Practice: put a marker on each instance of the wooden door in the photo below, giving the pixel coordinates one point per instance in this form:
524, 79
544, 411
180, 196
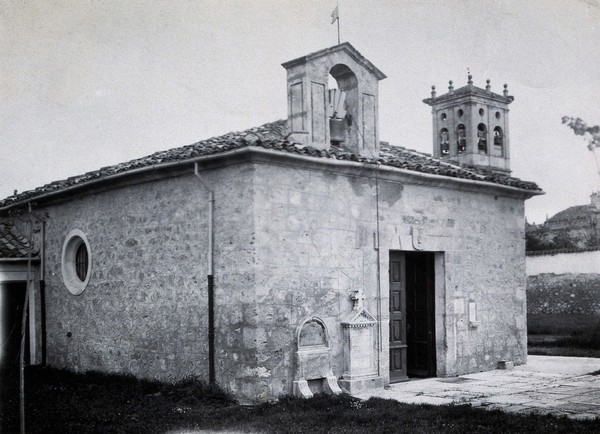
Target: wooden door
398, 370
420, 314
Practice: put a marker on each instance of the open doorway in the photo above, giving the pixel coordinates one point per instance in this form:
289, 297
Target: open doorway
412, 315
12, 298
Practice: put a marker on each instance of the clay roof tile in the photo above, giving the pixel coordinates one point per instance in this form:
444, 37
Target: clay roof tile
274, 136
12, 243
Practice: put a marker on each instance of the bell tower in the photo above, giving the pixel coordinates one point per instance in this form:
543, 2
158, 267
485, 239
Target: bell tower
470, 126
344, 114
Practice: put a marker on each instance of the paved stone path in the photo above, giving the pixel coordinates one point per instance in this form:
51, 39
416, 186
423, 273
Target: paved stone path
546, 385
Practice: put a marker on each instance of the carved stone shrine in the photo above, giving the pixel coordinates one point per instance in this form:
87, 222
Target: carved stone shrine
313, 357
360, 349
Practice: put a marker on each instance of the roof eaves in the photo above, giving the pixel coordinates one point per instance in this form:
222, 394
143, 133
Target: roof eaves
272, 136
466, 91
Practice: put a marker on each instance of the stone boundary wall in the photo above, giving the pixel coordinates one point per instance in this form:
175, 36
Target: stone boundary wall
563, 293
564, 263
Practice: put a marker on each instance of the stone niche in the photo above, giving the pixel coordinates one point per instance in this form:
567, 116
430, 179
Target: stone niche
360, 352
313, 356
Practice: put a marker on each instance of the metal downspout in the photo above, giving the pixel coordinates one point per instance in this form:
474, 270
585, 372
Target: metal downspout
28, 289
43, 291
210, 280
379, 313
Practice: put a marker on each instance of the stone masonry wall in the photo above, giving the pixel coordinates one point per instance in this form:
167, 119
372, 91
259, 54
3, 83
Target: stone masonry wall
314, 237
144, 311
290, 242
564, 293
482, 237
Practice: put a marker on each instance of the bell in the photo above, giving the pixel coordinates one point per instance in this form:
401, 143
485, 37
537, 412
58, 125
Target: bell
337, 130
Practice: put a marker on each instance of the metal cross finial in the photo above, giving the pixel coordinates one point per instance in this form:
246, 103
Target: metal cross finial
358, 297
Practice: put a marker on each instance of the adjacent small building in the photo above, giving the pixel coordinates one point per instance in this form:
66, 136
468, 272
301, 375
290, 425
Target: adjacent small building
19, 265
577, 217
299, 256
573, 229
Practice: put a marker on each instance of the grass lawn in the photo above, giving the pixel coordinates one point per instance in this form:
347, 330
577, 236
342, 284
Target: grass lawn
564, 335
63, 402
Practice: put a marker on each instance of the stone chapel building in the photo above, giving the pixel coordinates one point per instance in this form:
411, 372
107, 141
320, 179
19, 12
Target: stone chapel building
298, 256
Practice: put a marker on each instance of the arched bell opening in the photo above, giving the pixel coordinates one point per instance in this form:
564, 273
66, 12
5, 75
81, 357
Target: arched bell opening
461, 139
444, 142
342, 105
498, 149
482, 138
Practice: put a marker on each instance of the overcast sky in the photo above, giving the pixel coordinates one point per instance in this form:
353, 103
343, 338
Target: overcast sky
85, 84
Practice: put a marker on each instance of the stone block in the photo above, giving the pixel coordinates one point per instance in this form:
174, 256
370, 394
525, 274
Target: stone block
505, 365
361, 385
301, 389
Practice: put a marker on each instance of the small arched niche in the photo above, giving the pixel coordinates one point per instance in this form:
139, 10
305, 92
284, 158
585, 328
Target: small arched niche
313, 359
312, 332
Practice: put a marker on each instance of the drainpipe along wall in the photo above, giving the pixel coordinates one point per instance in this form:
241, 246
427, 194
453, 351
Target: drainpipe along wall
26, 308
379, 332
210, 280
43, 290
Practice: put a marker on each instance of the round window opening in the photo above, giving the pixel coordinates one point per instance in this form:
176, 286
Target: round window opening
76, 262
497, 115
481, 112
444, 116
460, 113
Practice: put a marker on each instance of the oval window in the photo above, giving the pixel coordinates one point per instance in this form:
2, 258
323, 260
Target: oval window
76, 261
81, 262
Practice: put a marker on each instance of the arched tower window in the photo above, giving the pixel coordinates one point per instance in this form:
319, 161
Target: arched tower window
461, 138
342, 102
498, 142
481, 138
444, 142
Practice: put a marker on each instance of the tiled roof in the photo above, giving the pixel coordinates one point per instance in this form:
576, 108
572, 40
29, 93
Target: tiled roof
273, 136
12, 243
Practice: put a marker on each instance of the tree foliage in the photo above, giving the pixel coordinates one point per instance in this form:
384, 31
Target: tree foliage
539, 237
580, 128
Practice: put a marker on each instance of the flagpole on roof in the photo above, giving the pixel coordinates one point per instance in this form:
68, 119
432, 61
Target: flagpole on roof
338, 20
335, 16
